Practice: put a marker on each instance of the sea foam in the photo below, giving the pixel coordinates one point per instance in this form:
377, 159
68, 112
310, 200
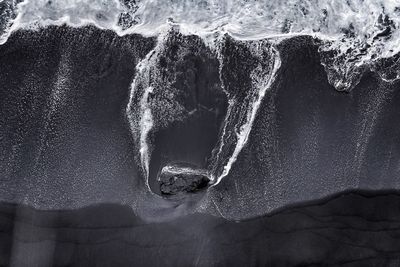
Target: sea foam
359, 32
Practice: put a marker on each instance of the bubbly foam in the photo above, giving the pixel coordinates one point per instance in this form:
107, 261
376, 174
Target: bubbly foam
139, 113
242, 112
360, 32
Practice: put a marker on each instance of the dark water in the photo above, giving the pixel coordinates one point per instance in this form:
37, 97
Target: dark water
73, 190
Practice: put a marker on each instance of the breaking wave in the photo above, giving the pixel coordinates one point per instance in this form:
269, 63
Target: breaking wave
356, 34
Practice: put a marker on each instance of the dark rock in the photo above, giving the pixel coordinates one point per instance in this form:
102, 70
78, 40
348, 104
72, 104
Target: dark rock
185, 180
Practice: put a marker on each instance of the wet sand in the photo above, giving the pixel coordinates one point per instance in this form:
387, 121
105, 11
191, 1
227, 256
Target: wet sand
354, 229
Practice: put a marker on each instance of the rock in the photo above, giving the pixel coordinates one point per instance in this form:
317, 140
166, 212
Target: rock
174, 180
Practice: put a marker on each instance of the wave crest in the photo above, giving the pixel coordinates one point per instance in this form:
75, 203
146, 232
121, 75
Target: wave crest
356, 34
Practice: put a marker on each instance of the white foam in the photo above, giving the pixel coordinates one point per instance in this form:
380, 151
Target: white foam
262, 81
146, 122
353, 28
139, 114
